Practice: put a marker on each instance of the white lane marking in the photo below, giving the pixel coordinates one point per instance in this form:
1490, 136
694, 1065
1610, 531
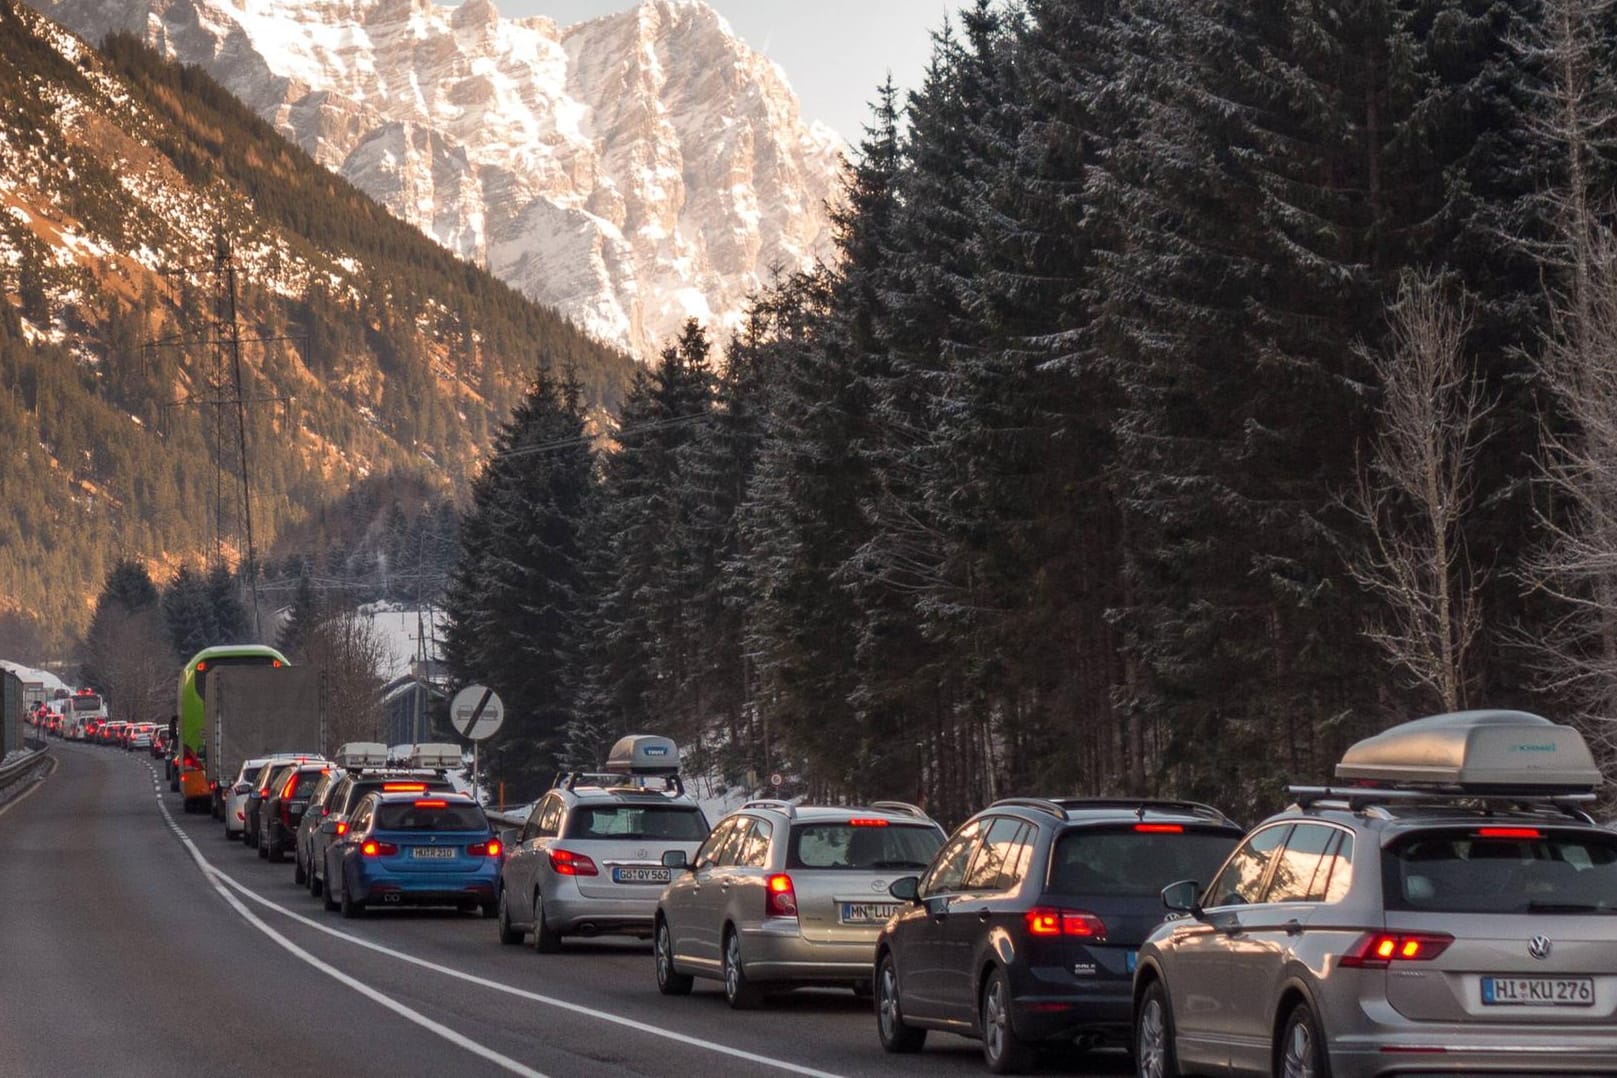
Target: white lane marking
213, 877
483, 982
32, 789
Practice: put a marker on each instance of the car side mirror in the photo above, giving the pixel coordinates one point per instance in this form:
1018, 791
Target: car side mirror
328, 827
676, 859
1183, 896
509, 838
906, 888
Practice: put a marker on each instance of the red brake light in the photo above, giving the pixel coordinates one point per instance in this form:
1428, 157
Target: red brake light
291, 784
859, 821
432, 804
1378, 950
780, 898
262, 794
568, 863
342, 827
1160, 828
491, 848
371, 848
275, 664
404, 787
1510, 832
201, 666
1044, 921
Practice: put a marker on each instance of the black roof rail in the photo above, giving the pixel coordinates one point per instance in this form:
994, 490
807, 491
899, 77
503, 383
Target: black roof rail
1039, 804
1360, 798
1142, 805
774, 804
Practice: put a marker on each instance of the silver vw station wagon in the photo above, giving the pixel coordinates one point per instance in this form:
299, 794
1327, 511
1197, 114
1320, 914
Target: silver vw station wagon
1449, 908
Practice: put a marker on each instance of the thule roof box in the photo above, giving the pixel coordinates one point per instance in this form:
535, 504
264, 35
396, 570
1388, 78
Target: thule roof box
1476, 752
435, 756
354, 755
643, 754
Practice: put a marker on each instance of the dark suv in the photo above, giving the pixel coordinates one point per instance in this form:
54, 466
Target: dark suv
282, 810
1024, 928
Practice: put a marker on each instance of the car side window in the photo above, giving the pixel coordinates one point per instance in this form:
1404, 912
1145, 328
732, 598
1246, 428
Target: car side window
708, 854
1298, 875
1242, 878
995, 866
362, 818
948, 872
753, 847
1338, 868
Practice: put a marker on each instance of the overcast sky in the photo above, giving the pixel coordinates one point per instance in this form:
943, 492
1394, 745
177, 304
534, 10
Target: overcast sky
834, 52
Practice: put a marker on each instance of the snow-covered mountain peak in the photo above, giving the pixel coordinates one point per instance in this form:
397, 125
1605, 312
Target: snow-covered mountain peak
632, 171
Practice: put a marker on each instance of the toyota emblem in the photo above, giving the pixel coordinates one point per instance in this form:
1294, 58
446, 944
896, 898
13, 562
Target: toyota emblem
879, 886
1539, 946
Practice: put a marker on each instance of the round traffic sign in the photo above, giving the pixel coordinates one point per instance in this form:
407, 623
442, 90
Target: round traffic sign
476, 712
776, 779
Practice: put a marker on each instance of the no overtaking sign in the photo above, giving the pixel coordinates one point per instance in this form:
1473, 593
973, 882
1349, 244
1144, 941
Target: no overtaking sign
476, 712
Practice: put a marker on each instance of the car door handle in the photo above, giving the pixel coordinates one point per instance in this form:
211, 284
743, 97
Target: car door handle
1293, 927
982, 916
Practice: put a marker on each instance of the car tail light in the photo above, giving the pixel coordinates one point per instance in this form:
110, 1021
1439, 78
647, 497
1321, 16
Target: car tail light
431, 804
1378, 950
263, 794
568, 863
371, 848
491, 848
780, 898
342, 827
189, 760
404, 787
1160, 828
291, 785
1047, 921
1509, 832
860, 821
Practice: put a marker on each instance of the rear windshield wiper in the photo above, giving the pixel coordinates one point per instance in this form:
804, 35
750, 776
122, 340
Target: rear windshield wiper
898, 864
1566, 907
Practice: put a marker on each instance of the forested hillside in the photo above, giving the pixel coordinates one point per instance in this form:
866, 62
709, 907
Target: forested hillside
372, 359
1200, 390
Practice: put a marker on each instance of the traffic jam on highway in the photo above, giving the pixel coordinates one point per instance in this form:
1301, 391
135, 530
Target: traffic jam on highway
1447, 907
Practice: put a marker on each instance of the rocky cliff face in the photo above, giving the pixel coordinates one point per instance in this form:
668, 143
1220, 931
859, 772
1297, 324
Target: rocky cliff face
631, 171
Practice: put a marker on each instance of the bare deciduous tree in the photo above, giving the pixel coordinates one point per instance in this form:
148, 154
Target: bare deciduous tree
1415, 490
349, 653
130, 651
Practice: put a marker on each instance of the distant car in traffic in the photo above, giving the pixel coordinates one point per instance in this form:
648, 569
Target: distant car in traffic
283, 809
783, 895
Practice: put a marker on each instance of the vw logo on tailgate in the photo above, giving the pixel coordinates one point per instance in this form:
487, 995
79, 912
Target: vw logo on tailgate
1539, 946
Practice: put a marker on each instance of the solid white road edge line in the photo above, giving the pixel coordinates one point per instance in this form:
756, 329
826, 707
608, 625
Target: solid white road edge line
483, 982
213, 876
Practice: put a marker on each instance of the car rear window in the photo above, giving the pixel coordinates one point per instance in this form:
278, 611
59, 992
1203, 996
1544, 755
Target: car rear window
1127, 861
862, 846
674, 823
307, 781
429, 816
1501, 869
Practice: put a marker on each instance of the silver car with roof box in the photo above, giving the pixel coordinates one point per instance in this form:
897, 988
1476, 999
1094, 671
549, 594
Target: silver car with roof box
785, 895
589, 860
1450, 908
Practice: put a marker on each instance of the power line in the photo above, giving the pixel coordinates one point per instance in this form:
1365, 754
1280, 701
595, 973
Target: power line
569, 443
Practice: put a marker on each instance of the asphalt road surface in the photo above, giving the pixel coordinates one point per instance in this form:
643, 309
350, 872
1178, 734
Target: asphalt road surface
134, 940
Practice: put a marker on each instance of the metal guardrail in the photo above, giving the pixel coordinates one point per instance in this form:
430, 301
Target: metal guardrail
20, 774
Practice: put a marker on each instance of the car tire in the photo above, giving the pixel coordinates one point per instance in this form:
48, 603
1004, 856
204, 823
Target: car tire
274, 851
509, 935
316, 888
263, 847
896, 1034
1301, 1050
1154, 1054
546, 940
299, 875
670, 982
740, 993
351, 908
1003, 1050
330, 898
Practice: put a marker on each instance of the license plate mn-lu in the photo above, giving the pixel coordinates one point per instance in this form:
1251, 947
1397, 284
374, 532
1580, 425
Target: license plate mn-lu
1538, 991
867, 913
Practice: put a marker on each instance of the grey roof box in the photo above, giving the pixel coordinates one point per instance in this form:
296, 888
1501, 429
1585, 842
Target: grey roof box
1479, 751
643, 754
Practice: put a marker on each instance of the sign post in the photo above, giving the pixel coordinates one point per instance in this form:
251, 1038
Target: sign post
476, 713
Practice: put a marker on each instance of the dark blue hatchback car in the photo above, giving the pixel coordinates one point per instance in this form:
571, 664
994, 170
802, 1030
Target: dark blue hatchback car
422, 849
1023, 930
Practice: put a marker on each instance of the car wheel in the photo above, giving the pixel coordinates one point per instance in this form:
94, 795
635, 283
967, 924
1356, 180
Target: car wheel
1154, 1055
508, 935
1301, 1052
546, 940
273, 851
1003, 1051
896, 1034
299, 876
739, 992
350, 908
330, 898
315, 887
263, 847
670, 982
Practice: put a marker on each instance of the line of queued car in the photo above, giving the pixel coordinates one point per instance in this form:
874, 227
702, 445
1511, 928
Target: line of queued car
55, 718
1449, 907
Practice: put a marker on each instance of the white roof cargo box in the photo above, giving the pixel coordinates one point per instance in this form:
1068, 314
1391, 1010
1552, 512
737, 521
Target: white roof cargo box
643, 754
1479, 751
437, 755
356, 754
